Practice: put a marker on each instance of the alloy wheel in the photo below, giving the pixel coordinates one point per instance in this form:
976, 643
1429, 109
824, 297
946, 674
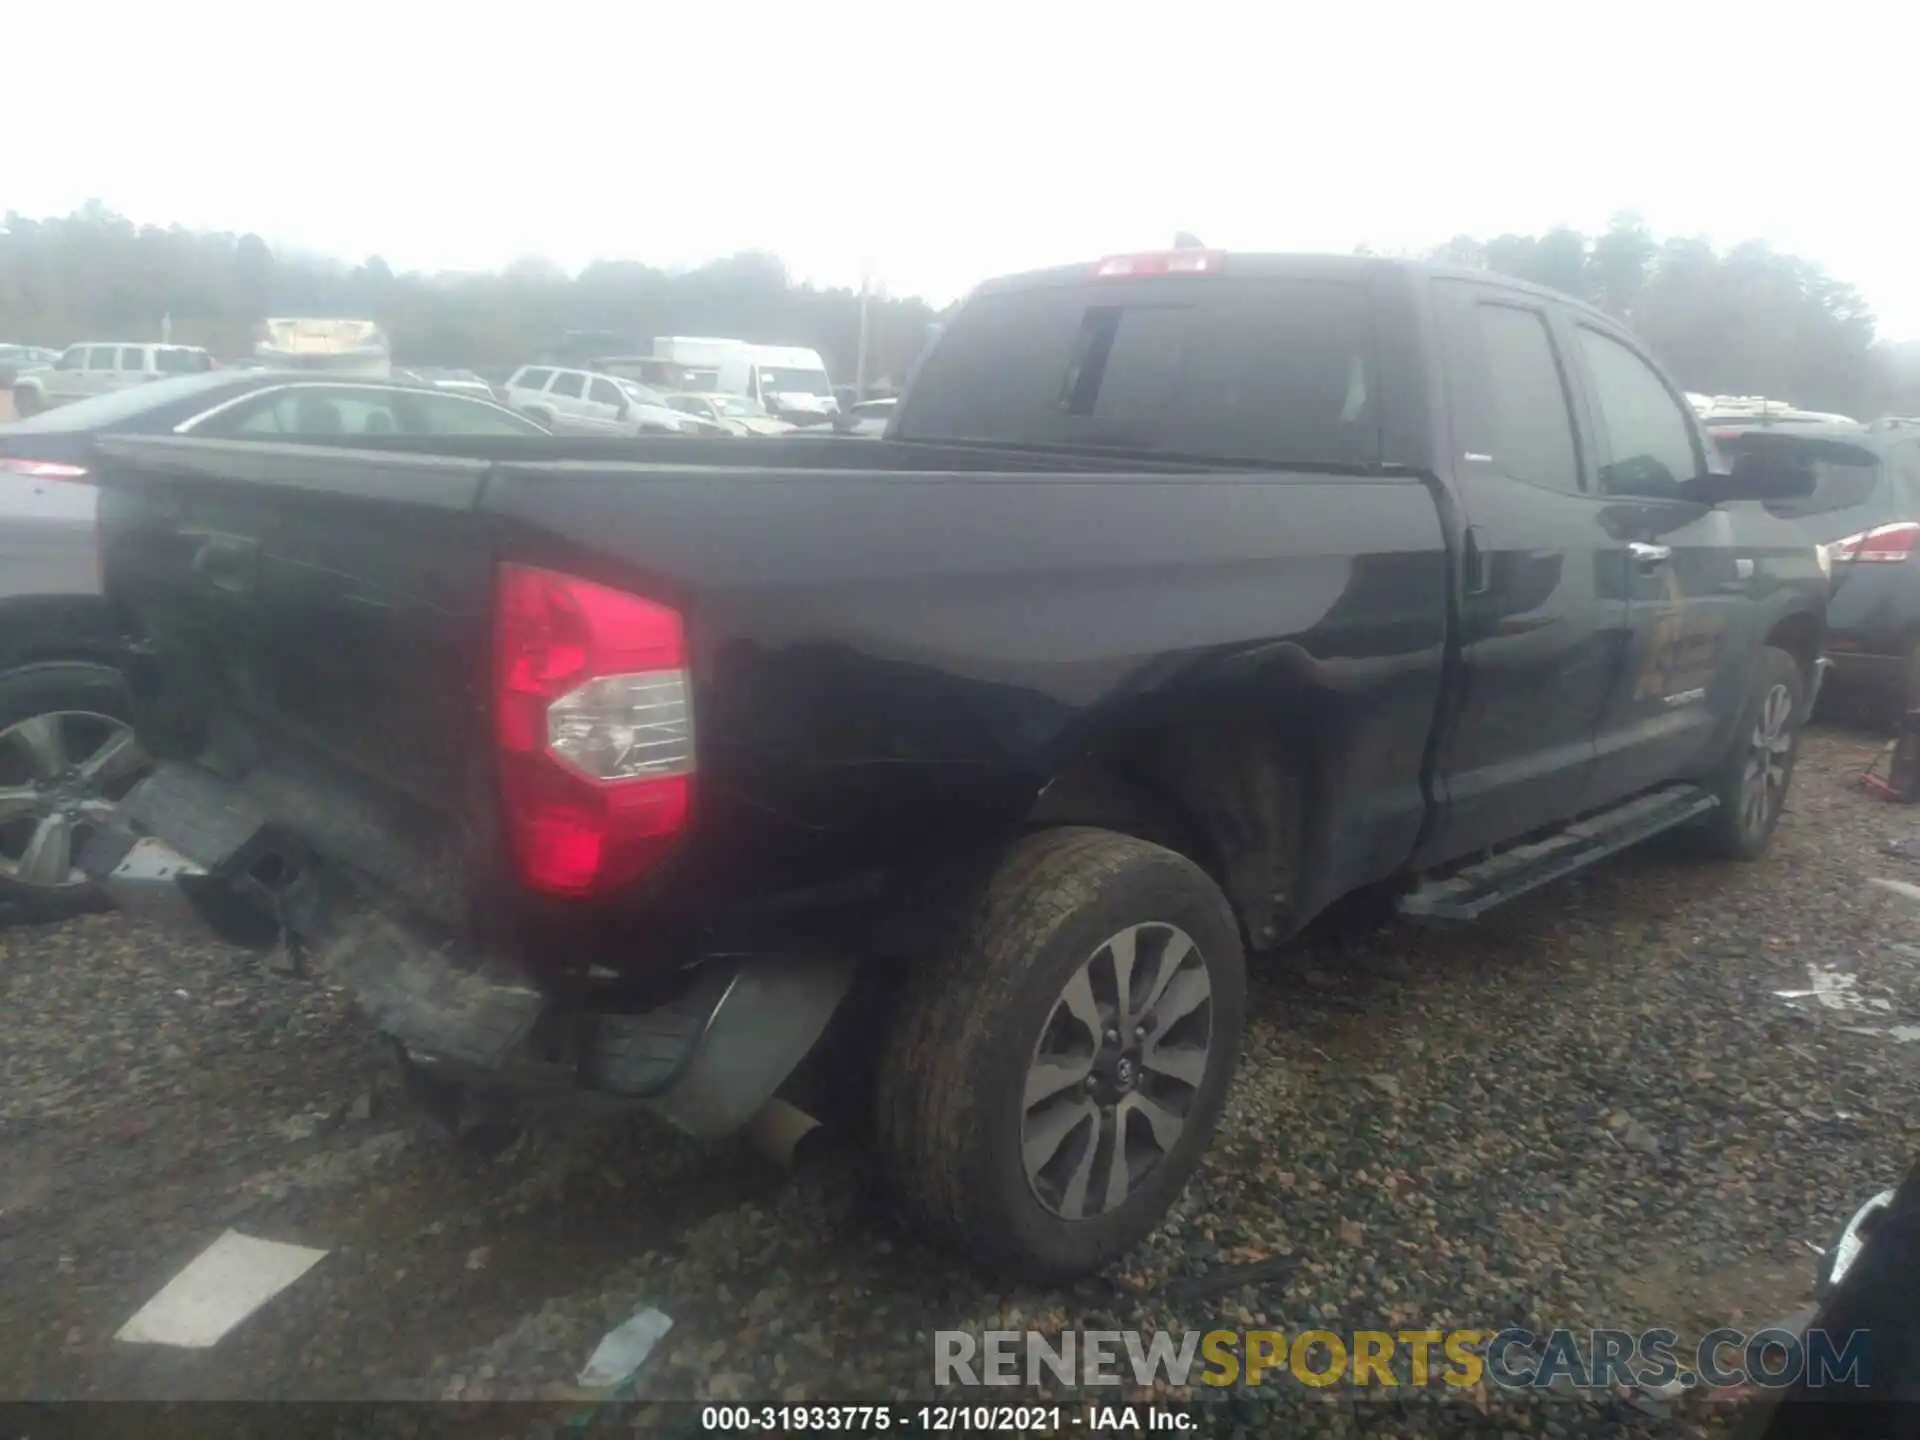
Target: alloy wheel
61, 773
1116, 1070
1763, 786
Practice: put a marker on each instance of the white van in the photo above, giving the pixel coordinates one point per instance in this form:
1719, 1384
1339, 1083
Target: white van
789, 381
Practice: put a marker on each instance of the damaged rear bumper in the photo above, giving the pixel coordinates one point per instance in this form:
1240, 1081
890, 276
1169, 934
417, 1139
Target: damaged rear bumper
707, 1060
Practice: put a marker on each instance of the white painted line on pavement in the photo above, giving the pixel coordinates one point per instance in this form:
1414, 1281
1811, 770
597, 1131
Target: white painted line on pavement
220, 1287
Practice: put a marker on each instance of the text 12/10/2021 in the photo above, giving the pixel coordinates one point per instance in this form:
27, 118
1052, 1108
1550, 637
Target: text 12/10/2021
947, 1419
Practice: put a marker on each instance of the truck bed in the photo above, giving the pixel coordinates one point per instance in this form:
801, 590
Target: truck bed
894, 647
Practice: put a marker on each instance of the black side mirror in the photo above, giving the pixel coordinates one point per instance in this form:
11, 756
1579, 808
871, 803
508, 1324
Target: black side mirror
1761, 473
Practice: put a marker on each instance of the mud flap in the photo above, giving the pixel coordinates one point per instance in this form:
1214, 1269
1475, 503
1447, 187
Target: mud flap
771, 1016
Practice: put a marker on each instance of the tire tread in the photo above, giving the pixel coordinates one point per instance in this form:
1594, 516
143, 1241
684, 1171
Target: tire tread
927, 1122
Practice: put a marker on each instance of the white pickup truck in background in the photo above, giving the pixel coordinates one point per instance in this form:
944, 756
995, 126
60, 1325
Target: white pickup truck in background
97, 367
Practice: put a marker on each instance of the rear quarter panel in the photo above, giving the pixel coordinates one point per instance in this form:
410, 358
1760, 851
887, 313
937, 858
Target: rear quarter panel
892, 665
47, 544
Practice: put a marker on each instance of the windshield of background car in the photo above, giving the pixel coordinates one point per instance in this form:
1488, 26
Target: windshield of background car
779, 380
738, 405
1270, 369
641, 393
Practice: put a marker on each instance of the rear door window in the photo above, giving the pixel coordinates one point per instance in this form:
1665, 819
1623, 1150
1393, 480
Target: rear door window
309, 411
568, 383
1532, 424
1269, 369
428, 414
531, 380
103, 357
132, 357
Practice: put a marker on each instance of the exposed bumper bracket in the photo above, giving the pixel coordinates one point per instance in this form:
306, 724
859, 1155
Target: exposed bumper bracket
147, 882
1820, 669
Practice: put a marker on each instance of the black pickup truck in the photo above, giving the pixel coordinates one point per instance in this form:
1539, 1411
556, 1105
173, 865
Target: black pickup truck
1186, 594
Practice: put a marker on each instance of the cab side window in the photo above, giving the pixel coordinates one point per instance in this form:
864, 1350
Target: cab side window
568, 383
103, 357
605, 392
1650, 439
73, 358
1532, 422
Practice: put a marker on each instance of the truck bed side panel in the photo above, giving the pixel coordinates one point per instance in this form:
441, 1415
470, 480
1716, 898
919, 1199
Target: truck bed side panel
887, 665
886, 662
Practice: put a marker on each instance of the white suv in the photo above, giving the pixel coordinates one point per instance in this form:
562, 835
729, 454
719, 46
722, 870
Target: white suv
581, 402
94, 369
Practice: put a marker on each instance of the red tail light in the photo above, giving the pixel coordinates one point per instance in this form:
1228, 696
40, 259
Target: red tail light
594, 725
1161, 262
41, 469
1884, 545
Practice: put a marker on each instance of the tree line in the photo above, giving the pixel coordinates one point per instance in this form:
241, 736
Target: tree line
94, 274
1747, 320
1744, 321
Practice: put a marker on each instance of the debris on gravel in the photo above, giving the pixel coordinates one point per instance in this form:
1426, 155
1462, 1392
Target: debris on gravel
1590, 1110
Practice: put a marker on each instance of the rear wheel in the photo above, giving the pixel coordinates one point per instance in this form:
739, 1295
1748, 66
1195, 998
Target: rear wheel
26, 401
1751, 783
1048, 1090
67, 754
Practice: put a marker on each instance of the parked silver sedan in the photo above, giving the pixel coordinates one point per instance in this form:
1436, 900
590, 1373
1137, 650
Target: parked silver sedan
67, 745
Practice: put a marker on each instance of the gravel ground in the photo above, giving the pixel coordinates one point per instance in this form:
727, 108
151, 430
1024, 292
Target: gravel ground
1589, 1110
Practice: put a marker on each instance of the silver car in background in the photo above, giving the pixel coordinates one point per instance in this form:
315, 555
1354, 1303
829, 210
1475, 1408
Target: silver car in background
67, 745
583, 402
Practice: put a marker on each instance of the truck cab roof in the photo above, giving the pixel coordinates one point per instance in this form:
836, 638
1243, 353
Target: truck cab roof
1278, 265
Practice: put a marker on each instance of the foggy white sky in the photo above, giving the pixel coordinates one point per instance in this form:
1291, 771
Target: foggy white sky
948, 142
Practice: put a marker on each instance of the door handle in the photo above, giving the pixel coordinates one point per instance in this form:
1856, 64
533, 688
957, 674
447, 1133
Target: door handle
1650, 557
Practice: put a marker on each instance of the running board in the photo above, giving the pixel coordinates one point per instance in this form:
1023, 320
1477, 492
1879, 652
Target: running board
1467, 894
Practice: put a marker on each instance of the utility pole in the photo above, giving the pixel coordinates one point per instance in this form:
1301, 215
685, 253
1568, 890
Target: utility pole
860, 363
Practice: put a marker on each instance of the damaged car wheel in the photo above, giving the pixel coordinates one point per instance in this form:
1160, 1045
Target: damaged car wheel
1048, 1090
67, 754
